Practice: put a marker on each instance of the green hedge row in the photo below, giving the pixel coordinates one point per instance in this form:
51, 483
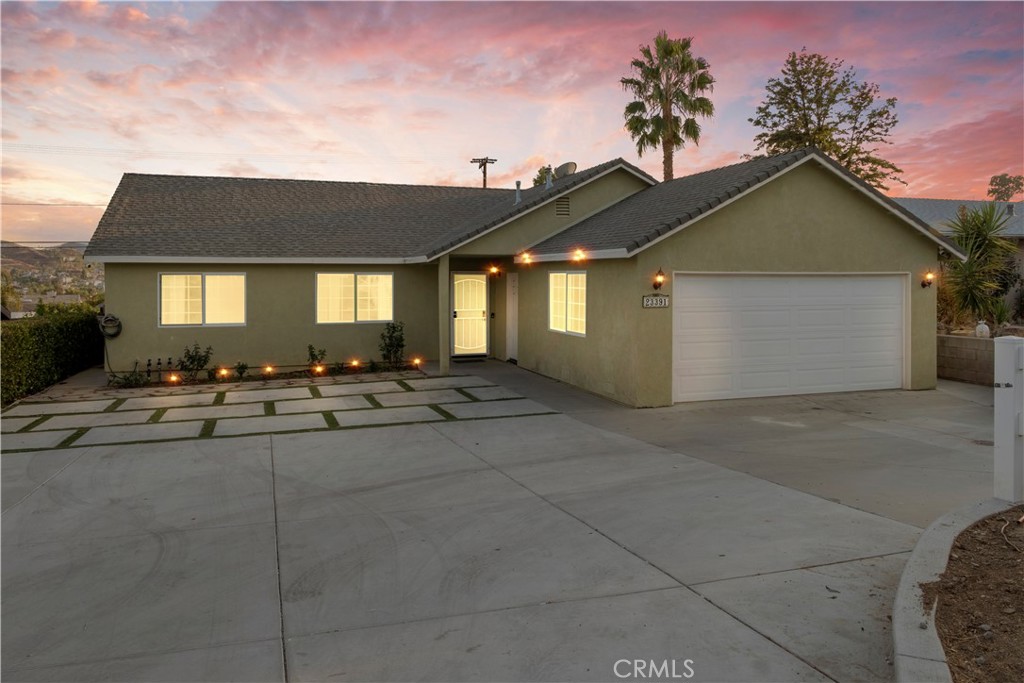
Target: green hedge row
38, 352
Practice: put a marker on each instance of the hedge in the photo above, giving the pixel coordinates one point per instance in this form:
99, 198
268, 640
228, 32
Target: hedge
38, 352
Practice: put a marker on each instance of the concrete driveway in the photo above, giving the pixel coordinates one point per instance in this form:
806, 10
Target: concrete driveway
533, 547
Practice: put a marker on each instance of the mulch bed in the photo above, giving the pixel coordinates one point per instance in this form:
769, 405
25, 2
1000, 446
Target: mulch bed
980, 616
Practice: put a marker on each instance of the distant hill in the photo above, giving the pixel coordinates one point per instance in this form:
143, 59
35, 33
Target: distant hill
14, 255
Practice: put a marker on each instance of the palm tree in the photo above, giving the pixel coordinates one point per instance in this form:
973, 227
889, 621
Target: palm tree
669, 85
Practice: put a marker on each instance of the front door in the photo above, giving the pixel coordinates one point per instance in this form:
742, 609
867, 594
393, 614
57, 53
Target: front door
469, 314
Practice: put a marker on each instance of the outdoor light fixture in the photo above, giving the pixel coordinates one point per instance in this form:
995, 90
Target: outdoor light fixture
268, 370
659, 279
495, 271
579, 255
525, 257
173, 379
929, 278
355, 363
416, 362
318, 369
223, 372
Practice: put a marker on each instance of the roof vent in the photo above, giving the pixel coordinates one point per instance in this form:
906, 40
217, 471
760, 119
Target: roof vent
550, 181
519, 197
568, 168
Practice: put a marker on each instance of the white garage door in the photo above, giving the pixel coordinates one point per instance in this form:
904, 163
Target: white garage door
740, 336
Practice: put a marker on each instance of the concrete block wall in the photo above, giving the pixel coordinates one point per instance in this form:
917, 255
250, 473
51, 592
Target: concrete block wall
966, 359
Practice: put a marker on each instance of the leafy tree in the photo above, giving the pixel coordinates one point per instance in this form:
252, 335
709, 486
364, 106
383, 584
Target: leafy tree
1003, 187
8, 294
541, 177
669, 85
978, 284
815, 102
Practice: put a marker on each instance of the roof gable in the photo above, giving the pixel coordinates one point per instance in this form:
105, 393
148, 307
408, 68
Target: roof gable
939, 213
649, 216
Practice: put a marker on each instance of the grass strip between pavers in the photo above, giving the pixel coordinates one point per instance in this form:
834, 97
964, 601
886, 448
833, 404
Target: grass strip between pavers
118, 402
207, 430
79, 433
441, 411
405, 385
372, 400
157, 415
34, 423
332, 422
471, 397
218, 399
315, 391
269, 409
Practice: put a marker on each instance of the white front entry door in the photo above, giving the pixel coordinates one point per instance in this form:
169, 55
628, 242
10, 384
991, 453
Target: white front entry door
469, 314
737, 336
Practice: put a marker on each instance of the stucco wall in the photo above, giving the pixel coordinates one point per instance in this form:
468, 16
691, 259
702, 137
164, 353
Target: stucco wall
280, 316
806, 221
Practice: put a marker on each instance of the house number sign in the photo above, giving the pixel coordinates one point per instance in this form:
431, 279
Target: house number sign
655, 301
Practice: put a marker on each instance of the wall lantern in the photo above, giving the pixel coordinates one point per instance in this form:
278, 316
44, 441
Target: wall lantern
495, 271
579, 255
929, 278
659, 279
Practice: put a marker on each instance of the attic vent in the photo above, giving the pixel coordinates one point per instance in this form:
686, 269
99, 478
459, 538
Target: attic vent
562, 207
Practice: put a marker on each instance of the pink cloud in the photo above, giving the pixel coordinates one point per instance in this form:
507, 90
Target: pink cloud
35, 77
55, 38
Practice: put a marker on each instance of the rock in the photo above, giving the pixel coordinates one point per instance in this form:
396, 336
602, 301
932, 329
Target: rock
1009, 610
988, 635
985, 627
979, 660
923, 625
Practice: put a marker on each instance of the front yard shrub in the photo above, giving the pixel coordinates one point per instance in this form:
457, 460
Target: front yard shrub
240, 370
194, 360
316, 356
41, 351
131, 380
392, 345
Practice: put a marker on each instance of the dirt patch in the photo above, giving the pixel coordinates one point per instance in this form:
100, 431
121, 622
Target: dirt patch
980, 616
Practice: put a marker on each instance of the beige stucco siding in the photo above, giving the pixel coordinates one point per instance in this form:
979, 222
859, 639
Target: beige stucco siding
541, 223
280, 316
805, 221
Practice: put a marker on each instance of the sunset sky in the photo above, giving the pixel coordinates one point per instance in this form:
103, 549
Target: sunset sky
410, 92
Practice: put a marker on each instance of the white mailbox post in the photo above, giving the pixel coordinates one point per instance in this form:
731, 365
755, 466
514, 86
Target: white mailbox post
1008, 429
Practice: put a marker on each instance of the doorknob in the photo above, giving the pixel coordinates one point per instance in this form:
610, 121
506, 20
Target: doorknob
455, 314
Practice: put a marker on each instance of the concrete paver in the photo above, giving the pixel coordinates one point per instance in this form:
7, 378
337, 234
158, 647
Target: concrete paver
454, 382
278, 423
57, 408
252, 395
96, 419
354, 388
13, 424
214, 412
175, 401
381, 416
321, 404
144, 432
569, 641
412, 398
13, 442
518, 406
829, 616
492, 393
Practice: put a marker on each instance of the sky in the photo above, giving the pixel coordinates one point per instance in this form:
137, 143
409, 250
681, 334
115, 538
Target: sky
410, 92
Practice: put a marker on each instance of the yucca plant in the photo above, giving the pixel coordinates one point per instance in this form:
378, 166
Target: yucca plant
978, 284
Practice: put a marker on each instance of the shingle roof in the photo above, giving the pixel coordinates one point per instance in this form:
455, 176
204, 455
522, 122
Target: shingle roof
938, 213
651, 213
196, 216
164, 216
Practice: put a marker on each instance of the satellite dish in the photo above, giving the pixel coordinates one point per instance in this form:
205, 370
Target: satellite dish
568, 168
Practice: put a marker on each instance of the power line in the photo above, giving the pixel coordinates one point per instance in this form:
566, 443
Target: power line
185, 155
42, 204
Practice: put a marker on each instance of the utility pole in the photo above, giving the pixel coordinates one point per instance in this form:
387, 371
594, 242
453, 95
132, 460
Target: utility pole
482, 163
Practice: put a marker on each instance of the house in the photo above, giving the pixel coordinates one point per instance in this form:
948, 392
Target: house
780, 275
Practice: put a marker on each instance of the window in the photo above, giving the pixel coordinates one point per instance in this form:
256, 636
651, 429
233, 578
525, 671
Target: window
567, 302
201, 299
351, 297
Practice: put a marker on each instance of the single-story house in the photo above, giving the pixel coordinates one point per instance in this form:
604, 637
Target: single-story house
779, 275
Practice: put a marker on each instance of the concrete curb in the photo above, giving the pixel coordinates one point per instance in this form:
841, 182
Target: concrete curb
917, 651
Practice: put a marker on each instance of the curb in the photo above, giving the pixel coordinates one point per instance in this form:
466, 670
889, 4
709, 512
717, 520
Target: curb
917, 651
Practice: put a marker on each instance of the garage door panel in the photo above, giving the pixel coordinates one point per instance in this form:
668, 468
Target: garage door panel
778, 335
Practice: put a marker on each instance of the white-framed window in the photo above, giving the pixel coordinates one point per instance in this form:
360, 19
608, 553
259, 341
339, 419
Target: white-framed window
202, 299
354, 297
567, 302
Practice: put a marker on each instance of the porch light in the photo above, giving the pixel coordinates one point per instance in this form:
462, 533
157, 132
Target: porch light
525, 257
579, 255
929, 278
659, 279
494, 270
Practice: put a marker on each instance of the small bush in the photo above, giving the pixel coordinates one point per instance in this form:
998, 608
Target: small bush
41, 351
392, 345
134, 379
194, 360
240, 370
316, 356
